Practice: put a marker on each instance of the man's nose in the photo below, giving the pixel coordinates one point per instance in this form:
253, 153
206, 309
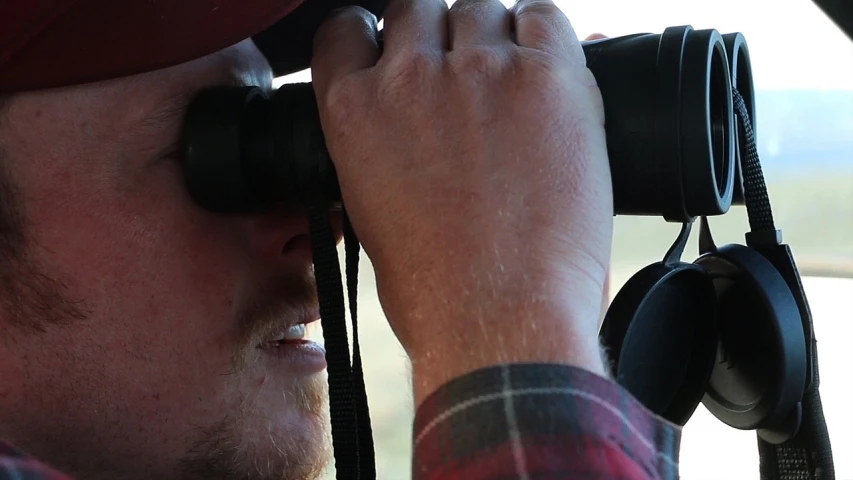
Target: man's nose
284, 236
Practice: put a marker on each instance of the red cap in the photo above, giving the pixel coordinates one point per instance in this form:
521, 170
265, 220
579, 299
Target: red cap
52, 43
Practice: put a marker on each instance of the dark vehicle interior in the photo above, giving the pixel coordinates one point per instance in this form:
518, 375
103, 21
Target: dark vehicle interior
734, 219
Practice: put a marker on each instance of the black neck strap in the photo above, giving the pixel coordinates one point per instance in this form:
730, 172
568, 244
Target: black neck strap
808, 455
352, 438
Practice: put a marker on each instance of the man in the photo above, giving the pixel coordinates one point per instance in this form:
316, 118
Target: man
143, 337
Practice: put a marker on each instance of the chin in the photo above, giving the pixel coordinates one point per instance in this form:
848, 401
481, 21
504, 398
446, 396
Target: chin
280, 432
288, 451
295, 456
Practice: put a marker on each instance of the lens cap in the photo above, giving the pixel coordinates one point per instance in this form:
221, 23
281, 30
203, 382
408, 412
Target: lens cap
660, 334
761, 363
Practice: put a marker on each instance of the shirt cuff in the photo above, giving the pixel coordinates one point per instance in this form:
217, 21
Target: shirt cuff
540, 421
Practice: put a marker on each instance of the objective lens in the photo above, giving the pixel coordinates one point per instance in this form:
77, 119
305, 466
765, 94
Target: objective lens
720, 113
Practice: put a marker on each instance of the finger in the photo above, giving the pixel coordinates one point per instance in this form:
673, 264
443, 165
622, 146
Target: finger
478, 22
595, 36
344, 43
540, 25
414, 24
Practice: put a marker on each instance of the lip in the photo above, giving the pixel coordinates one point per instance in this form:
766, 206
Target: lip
301, 356
307, 317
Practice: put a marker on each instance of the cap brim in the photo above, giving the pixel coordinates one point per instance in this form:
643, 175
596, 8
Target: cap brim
99, 39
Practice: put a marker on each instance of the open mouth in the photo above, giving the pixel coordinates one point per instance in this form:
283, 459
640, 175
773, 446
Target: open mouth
294, 349
297, 334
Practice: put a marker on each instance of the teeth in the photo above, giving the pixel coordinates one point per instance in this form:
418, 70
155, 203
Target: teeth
296, 332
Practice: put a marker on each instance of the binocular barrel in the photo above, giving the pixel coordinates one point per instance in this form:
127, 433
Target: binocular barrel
671, 133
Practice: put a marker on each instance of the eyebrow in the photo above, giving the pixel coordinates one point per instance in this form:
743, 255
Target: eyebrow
167, 113
177, 103
174, 108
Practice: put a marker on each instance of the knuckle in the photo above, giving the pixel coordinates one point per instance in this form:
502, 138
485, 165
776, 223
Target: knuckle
351, 13
544, 22
537, 9
538, 68
541, 34
341, 18
466, 7
408, 74
477, 63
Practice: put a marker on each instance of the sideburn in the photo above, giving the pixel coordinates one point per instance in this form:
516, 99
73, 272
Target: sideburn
30, 298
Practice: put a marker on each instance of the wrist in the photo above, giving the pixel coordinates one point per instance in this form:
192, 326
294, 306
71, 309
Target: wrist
525, 338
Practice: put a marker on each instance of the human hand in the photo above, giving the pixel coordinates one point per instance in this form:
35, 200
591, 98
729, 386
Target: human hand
472, 161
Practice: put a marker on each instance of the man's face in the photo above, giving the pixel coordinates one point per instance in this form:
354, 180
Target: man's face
152, 361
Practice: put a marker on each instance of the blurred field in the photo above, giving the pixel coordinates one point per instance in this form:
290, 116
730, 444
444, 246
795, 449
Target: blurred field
816, 216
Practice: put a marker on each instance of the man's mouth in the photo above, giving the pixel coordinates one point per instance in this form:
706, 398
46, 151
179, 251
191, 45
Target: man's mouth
294, 334
292, 345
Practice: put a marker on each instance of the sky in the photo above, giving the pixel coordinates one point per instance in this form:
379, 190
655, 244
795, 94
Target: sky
792, 44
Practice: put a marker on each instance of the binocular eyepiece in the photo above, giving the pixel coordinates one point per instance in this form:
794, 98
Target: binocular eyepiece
670, 125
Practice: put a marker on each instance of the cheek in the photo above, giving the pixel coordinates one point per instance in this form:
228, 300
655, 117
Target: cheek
157, 276
139, 234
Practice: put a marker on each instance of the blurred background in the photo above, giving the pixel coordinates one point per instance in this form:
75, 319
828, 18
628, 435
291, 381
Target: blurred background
803, 71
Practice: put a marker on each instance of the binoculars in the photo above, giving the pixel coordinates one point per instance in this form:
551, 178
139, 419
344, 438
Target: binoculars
671, 132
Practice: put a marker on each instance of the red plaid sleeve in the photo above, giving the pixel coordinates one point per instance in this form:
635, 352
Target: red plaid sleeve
537, 422
15, 465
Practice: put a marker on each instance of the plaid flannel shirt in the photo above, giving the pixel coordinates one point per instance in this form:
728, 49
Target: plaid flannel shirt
527, 422
538, 422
